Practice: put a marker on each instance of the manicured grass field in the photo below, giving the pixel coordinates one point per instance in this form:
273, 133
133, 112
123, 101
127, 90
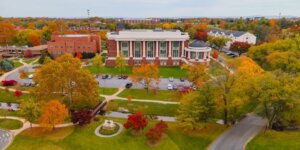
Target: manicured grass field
273, 140
84, 138
107, 91
8, 113
146, 107
10, 124
215, 69
163, 95
164, 72
10, 96
29, 60
17, 63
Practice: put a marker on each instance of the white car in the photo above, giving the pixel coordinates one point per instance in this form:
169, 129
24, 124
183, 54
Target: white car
171, 79
170, 87
30, 76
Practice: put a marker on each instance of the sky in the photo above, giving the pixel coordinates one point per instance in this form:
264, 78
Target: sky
148, 8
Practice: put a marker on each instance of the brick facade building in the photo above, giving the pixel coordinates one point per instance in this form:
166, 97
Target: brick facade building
73, 43
161, 47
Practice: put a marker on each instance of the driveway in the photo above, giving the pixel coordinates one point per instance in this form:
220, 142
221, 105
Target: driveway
5, 138
239, 135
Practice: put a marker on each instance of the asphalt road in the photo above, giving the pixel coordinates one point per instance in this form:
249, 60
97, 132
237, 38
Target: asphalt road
4, 139
239, 135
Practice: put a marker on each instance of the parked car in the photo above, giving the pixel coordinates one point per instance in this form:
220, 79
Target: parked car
170, 87
120, 77
109, 76
182, 79
124, 77
30, 76
128, 85
9, 82
171, 79
105, 76
175, 87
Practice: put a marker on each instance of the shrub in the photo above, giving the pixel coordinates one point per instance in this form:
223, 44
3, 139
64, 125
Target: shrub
155, 134
82, 117
215, 54
28, 54
6, 65
9, 82
18, 93
137, 122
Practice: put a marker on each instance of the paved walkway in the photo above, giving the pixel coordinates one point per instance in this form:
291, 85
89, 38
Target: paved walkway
240, 134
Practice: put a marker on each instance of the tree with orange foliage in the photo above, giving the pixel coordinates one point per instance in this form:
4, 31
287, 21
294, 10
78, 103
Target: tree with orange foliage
78, 55
31, 25
240, 47
215, 55
148, 73
7, 32
53, 113
34, 38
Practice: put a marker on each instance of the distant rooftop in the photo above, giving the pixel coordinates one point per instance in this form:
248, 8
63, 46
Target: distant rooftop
155, 34
228, 32
74, 35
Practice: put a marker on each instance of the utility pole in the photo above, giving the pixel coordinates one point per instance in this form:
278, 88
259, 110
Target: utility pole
89, 25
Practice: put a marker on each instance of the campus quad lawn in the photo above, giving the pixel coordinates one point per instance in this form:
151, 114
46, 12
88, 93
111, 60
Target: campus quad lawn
10, 96
84, 138
10, 124
29, 60
17, 63
163, 95
273, 140
164, 72
147, 108
8, 113
107, 91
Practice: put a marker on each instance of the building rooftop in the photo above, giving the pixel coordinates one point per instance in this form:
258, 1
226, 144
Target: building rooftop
74, 35
198, 44
228, 32
155, 34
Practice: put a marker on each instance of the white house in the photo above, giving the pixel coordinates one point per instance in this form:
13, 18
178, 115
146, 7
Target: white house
239, 36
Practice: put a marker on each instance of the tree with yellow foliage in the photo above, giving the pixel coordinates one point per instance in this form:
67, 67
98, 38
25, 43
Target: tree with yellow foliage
65, 79
148, 73
53, 113
197, 74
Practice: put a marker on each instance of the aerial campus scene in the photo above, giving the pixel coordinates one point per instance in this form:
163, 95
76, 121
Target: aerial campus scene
149, 75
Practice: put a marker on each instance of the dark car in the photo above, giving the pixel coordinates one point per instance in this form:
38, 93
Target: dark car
120, 77
124, 77
182, 79
128, 85
105, 76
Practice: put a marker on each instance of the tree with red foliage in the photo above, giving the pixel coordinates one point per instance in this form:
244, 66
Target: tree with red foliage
28, 54
155, 134
240, 47
18, 93
201, 35
82, 117
137, 122
78, 55
215, 55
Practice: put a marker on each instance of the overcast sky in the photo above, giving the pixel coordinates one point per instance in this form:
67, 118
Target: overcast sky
148, 8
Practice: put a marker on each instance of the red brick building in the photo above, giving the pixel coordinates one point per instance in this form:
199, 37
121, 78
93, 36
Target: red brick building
161, 47
73, 43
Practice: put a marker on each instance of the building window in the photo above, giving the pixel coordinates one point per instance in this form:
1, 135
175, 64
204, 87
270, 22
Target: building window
61, 46
78, 47
137, 49
200, 55
83, 47
137, 62
175, 49
175, 63
193, 55
150, 61
163, 63
124, 48
163, 49
150, 49
56, 46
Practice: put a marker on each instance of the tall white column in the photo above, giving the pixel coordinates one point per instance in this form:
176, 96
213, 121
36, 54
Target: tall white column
197, 55
182, 49
144, 49
204, 55
156, 53
130, 49
170, 49
189, 55
118, 53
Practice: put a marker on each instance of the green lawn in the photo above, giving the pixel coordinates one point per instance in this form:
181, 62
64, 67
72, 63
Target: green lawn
10, 124
107, 91
273, 140
17, 63
146, 107
29, 60
10, 96
84, 138
164, 72
215, 69
163, 95
8, 113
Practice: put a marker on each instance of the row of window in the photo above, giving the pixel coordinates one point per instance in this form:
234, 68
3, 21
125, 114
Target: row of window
83, 47
162, 62
150, 49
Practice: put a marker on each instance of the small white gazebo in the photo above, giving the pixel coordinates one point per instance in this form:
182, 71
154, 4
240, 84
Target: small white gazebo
198, 52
